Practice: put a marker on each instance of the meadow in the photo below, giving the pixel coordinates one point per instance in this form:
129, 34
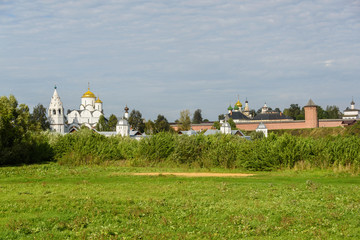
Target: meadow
53, 201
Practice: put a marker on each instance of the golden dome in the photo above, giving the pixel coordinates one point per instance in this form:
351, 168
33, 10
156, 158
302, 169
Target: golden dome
98, 101
238, 103
88, 94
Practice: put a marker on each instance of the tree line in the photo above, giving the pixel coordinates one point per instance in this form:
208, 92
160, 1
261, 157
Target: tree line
160, 124
23, 141
298, 113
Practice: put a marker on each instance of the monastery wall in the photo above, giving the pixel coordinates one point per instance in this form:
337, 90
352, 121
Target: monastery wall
251, 126
271, 125
330, 122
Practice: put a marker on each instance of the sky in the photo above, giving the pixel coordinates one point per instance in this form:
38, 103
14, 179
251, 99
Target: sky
164, 56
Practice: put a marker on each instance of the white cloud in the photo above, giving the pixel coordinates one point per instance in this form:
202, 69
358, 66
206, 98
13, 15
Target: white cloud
156, 54
328, 63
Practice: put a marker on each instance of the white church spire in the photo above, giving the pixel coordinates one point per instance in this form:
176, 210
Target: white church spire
56, 113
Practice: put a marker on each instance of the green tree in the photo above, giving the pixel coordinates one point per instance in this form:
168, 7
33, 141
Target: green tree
232, 124
184, 120
321, 113
333, 112
221, 117
102, 124
293, 111
254, 135
38, 118
136, 121
197, 117
252, 113
301, 116
216, 125
112, 122
161, 124
17, 143
14, 121
206, 120
149, 127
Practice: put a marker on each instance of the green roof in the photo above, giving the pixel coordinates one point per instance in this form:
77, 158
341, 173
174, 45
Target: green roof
230, 107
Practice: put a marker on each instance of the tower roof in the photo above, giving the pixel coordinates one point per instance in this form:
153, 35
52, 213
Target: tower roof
55, 100
230, 108
311, 103
98, 101
122, 122
352, 102
261, 126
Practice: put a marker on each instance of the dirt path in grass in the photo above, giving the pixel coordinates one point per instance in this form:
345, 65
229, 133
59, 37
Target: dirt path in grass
187, 174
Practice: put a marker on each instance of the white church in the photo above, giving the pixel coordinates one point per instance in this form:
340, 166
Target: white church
90, 110
352, 112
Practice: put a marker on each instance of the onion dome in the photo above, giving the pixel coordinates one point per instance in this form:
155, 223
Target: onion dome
230, 108
238, 103
88, 94
98, 101
352, 102
126, 109
236, 107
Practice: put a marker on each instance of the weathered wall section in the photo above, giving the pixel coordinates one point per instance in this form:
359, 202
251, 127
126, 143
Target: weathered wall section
310, 122
274, 125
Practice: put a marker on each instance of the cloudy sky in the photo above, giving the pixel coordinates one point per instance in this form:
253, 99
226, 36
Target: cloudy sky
163, 56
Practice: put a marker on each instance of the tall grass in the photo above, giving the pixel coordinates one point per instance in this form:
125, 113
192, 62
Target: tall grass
224, 151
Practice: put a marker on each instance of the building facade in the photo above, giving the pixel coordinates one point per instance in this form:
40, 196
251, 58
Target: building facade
352, 112
56, 113
88, 114
90, 110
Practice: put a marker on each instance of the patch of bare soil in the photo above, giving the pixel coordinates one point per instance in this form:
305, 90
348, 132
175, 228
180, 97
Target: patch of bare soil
187, 174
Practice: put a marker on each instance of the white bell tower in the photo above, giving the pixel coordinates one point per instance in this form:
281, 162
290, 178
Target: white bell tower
56, 114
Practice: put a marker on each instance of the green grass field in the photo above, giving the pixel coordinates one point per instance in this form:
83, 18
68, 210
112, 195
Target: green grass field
96, 202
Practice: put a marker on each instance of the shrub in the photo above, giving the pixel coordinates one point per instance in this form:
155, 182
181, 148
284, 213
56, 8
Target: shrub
225, 151
158, 147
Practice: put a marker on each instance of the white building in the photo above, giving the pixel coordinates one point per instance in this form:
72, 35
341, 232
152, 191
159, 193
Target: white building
88, 114
262, 128
56, 113
225, 128
123, 127
352, 112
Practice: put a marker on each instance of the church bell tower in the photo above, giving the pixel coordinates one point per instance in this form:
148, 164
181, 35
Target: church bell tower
56, 114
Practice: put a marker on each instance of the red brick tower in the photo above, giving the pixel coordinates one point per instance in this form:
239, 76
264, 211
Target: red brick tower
311, 119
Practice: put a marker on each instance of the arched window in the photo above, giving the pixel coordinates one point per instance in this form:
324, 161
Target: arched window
54, 112
59, 111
